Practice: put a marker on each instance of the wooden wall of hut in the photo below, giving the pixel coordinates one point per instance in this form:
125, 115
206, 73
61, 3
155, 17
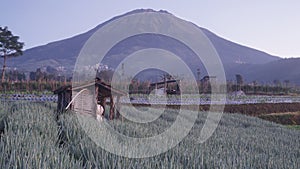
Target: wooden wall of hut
85, 102
64, 97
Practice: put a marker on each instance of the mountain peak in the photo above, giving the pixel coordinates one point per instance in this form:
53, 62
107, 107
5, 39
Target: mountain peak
146, 10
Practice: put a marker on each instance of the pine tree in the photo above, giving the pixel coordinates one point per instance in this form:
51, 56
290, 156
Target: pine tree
9, 47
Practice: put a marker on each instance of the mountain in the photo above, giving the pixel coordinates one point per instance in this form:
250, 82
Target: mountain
282, 70
251, 63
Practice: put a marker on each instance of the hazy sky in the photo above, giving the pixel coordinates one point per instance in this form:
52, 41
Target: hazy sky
272, 26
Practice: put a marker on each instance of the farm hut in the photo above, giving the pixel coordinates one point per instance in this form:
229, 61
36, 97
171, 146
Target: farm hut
169, 87
84, 100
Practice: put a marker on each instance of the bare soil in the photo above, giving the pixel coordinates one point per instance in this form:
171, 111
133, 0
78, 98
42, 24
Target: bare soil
283, 113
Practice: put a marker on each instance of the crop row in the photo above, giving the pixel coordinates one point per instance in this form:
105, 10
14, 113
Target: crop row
238, 142
171, 100
29, 138
28, 97
207, 99
32, 138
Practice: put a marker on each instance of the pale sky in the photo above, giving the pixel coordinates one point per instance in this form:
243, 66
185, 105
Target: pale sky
267, 25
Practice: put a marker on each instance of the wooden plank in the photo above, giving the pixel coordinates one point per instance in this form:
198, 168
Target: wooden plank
84, 103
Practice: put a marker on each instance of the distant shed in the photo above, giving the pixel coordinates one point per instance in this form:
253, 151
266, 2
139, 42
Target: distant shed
169, 86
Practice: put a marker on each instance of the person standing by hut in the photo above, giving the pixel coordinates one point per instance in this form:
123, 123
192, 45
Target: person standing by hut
99, 101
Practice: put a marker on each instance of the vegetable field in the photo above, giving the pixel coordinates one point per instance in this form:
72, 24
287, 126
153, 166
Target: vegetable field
32, 138
185, 99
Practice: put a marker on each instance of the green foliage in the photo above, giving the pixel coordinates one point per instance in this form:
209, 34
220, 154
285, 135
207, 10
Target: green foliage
297, 127
9, 46
32, 139
30, 86
239, 142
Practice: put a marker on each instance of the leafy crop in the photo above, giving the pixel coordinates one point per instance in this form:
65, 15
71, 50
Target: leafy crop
30, 138
33, 139
239, 142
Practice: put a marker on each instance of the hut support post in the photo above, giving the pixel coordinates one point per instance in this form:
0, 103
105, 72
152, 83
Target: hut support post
118, 107
112, 108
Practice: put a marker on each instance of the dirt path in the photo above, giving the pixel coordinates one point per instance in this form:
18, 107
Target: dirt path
283, 113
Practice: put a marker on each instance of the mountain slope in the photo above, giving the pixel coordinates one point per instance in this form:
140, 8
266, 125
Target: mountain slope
65, 52
284, 69
233, 52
